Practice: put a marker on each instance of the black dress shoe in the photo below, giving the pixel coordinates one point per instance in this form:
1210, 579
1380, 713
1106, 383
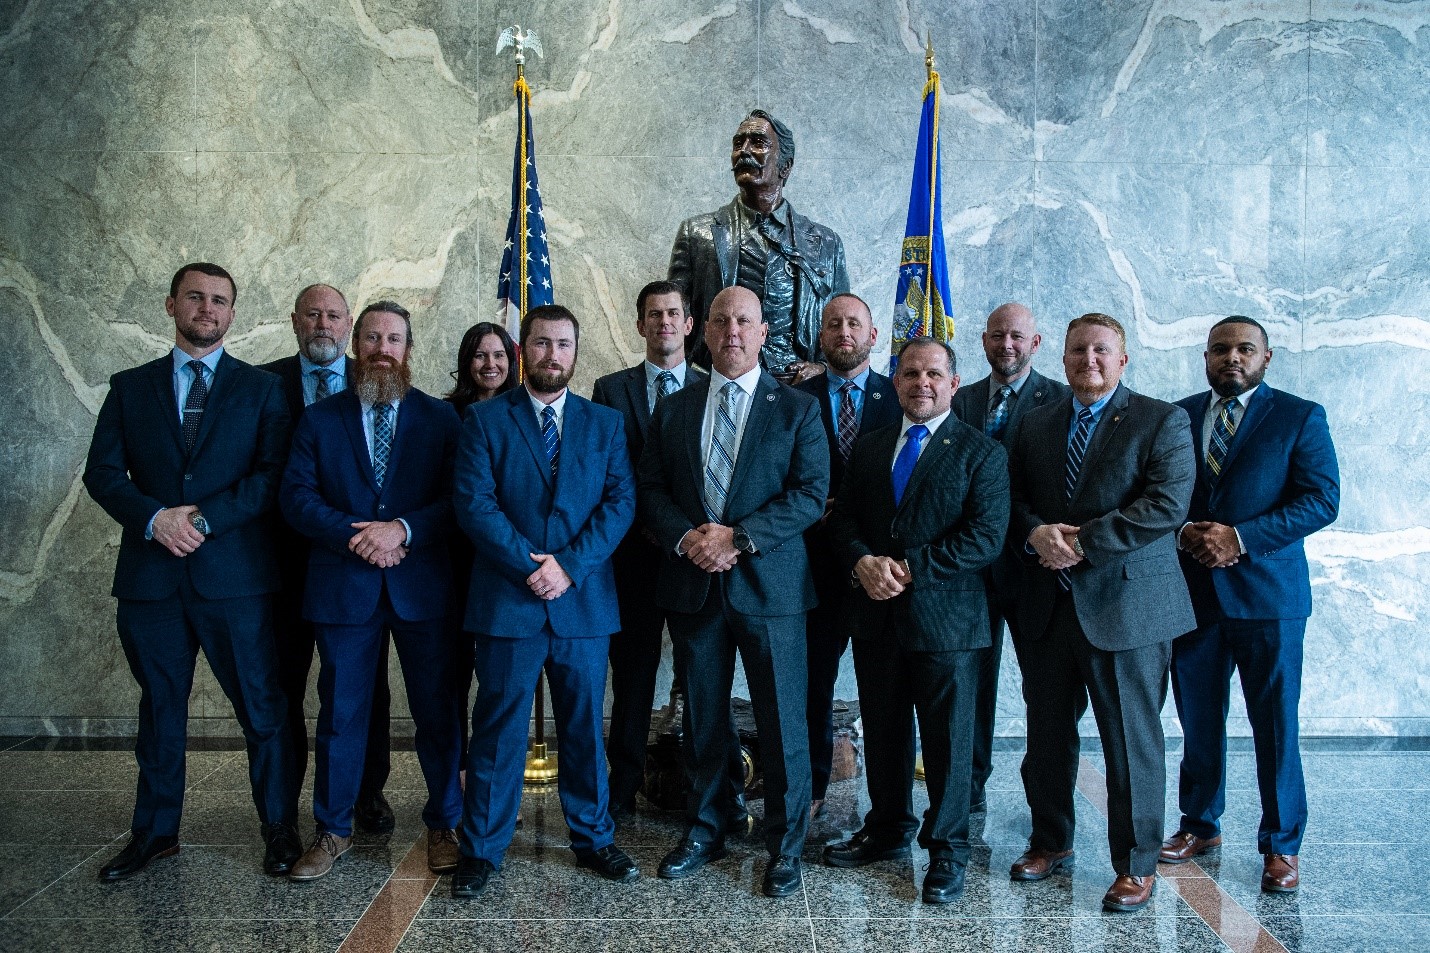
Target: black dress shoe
136, 855
471, 877
944, 883
738, 821
610, 862
863, 849
688, 857
782, 878
373, 815
283, 848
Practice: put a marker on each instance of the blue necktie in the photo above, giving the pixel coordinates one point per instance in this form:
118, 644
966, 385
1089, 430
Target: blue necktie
551, 438
194, 405
381, 441
720, 466
907, 458
325, 383
1222, 431
664, 386
1077, 447
997, 418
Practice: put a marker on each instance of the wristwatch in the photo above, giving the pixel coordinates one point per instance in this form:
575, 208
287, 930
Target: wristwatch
199, 523
743, 542
1077, 547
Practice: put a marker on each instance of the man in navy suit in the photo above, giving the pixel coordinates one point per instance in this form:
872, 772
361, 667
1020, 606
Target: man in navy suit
544, 489
735, 469
1266, 479
853, 399
995, 406
186, 457
322, 324
369, 481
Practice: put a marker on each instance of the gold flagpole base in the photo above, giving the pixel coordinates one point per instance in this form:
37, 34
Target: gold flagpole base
918, 768
540, 766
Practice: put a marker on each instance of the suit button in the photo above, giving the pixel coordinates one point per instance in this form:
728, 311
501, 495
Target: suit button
381, 507
188, 476
893, 534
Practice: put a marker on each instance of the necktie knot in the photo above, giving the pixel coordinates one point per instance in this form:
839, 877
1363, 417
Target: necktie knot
664, 384
197, 367
918, 432
324, 377
846, 388
1084, 417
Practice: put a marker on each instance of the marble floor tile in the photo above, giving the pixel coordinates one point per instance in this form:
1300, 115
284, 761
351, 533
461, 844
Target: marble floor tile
95, 770
609, 936
1336, 934
1336, 880
147, 936
1109, 933
25, 870
65, 817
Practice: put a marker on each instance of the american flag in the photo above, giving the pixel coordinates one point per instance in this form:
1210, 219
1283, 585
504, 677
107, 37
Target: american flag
526, 259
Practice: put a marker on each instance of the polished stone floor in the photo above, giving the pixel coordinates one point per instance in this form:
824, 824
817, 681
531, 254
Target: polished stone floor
64, 812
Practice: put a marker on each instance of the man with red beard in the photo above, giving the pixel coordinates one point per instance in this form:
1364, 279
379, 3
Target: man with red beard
369, 480
544, 489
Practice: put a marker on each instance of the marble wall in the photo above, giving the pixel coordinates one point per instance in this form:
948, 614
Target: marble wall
1166, 161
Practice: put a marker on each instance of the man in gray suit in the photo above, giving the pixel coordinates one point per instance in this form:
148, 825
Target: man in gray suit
995, 406
1101, 481
922, 510
735, 469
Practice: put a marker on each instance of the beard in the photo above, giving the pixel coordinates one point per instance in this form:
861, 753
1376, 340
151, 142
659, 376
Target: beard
321, 350
202, 339
846, 361
1233, 386
547, 380
376, 381
1010, 367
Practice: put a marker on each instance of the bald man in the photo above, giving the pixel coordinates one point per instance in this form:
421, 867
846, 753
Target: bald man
994, 406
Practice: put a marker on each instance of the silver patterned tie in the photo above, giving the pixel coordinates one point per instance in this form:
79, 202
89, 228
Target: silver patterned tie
1077, 447
720, 465
381, 441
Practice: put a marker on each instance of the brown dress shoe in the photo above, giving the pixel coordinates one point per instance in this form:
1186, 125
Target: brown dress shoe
442, 853
327, 848
1039, 864
1281, 873
1183, 846
1128, 893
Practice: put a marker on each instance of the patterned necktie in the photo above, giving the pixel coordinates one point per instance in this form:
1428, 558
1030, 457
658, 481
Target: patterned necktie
997, 418
848, 420
194, 405
664, 386
381, 441
1077, 446
907, 458
551, 438
720, 466
1222, 431
325, 383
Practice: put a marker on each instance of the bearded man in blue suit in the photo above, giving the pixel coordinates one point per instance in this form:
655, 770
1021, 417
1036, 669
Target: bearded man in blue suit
1266, 479
545, 491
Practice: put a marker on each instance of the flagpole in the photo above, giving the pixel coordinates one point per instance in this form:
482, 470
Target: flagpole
931, 86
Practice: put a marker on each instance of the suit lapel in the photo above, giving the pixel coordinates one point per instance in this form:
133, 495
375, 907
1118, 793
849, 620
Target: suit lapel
762, 408
636, 393
1113, 415
218, 392
352, 421
1257, 410
407, 413
691, 425
940, 442
163, 381
519, 407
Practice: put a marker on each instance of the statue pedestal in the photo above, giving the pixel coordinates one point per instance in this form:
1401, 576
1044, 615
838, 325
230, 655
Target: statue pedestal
665, 782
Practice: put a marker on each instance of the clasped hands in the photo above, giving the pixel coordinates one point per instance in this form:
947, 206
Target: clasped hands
174, 530
381, 544
883, 577
1214, 545
549, 580
1053, 542
711, 547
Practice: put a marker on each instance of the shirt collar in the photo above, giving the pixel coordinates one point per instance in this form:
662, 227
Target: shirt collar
861, 380
558, 405
1244, 399
932, 425
780, 215
652, 372
1096, 406
747, 380
339, 366
181, 359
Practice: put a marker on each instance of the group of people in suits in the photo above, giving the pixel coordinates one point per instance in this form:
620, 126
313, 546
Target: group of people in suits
517, 528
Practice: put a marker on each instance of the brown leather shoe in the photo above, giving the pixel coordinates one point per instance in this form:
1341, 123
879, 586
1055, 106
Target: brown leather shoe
327, 848
1183, 846
1281, 873
1039, 864
442, 853
1128, 893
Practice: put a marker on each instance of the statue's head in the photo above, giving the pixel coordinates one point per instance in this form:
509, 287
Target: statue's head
762, 152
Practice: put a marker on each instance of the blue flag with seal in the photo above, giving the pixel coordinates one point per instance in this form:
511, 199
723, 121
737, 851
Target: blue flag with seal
526, 261
921, 306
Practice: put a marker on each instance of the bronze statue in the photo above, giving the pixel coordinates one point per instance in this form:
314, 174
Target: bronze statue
760, 242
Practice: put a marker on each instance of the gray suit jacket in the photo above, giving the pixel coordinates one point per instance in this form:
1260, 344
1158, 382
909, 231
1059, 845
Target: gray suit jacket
949, 526
777, 491
970, 405
1132, 495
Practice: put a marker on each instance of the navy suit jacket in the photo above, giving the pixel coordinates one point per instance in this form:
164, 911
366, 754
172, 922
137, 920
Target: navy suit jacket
1280, 483
137, 465
777, 491
508, 503
329, 485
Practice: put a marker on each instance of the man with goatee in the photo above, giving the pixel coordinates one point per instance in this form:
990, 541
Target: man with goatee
544, 490
369, 481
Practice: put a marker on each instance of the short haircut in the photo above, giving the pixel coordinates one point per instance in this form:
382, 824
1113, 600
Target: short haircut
203, 268
783, 136
914, 343
1098, 319
848, 294
548, 312
387, 307
661, 288
1243, 319
298, 298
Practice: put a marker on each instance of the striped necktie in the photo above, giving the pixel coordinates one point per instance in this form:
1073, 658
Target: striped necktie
325, 383
664, 386
194, 405
1077, 447
720, 465
997, 418
848, 421
1223, 429
551, 438
381, 441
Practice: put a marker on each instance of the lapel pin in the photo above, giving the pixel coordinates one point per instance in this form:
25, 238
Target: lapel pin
770, 397
1117, 418
947, 441
876, 395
